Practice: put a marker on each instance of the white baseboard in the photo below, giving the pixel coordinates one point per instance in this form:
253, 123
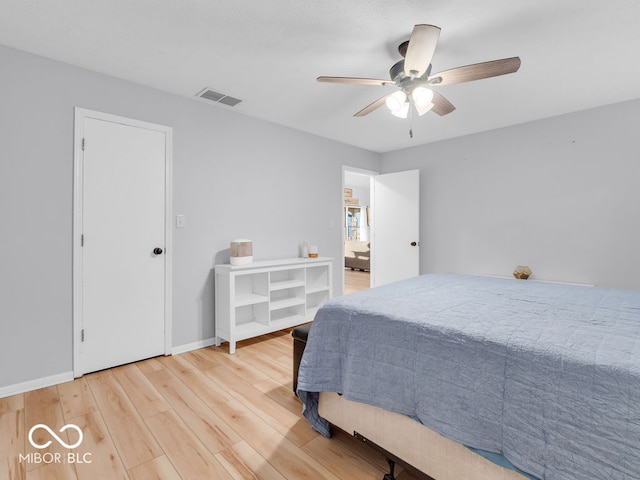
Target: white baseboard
35, 384
68, 376
207, 342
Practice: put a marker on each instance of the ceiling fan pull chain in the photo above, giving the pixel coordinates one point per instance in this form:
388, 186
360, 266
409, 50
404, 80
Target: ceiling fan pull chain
411, 106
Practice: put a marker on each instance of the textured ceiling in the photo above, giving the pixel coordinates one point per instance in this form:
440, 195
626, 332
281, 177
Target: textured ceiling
576, 54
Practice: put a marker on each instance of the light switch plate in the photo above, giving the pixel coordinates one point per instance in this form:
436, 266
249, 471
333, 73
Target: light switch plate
180, 221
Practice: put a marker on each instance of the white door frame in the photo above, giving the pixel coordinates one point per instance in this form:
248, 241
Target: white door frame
360, 171
78, 187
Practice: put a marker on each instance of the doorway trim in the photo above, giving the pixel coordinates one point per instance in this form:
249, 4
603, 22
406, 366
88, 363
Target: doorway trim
359, 171
80, 115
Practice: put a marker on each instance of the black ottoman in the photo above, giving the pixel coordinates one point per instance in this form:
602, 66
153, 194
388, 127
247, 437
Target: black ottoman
299, 335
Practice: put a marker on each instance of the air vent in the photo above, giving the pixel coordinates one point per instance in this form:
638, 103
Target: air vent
229, 101
218, 97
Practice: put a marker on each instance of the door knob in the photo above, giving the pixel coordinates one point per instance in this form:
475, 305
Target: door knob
413, 244
157, 251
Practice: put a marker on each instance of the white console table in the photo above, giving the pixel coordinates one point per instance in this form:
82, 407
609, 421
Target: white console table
266, 296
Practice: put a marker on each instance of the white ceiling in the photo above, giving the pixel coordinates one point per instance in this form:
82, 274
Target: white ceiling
576, 54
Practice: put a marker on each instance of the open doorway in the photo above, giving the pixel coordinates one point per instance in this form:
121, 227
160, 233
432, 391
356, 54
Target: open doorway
356, 231
381, 218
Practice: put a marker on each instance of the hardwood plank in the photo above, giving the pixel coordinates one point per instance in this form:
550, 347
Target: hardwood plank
12, 438
53, 471
202, 420
255, 357
149, 365
244, 462
216, 354
267, 347
200, 360
159, 468
241, 368
97, 456
130, 434
140, 391
206, 389
176, 363
293, 425
43, 406
76, 398
271, 338
188, 455
355, 281
280, 452
281, 393
342, 462
11, 404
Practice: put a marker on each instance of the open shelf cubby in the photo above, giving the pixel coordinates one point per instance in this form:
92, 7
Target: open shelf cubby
267, 296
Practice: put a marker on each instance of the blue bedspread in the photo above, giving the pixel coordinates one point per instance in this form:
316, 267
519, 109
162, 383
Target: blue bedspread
546, 374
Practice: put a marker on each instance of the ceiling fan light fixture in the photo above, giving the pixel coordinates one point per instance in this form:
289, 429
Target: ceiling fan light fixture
423, 110
402, 112
412, 76
396, 101
422, 96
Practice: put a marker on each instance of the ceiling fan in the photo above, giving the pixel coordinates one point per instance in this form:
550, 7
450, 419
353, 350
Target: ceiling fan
413, 77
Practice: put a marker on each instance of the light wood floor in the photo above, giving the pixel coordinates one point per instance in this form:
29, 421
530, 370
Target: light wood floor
355, 280
204, 414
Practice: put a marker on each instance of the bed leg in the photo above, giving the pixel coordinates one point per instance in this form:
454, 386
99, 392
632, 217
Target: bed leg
390, 475
392, 460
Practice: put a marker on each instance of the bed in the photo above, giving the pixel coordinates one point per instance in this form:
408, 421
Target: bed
543, 376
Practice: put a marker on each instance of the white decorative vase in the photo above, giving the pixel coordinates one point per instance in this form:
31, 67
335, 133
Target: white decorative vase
241, 252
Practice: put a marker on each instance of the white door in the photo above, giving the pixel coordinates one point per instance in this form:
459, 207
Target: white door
395, 242
122, 251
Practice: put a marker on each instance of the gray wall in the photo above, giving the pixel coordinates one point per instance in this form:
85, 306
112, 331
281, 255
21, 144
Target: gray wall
233, 177
560, 195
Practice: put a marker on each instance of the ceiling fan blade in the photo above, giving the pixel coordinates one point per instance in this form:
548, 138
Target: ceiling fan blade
476, 71
355, 80
441, 105
422, 45
372, 106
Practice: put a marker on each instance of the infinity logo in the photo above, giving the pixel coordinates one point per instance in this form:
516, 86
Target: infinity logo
53, 434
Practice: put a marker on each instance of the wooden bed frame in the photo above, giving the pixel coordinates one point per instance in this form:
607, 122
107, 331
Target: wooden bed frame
407, 439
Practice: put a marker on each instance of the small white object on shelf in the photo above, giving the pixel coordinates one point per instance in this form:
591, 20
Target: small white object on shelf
241, 252
267, 296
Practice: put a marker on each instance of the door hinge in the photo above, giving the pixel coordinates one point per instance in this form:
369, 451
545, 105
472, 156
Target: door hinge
83, 144
82, 335
82, 240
